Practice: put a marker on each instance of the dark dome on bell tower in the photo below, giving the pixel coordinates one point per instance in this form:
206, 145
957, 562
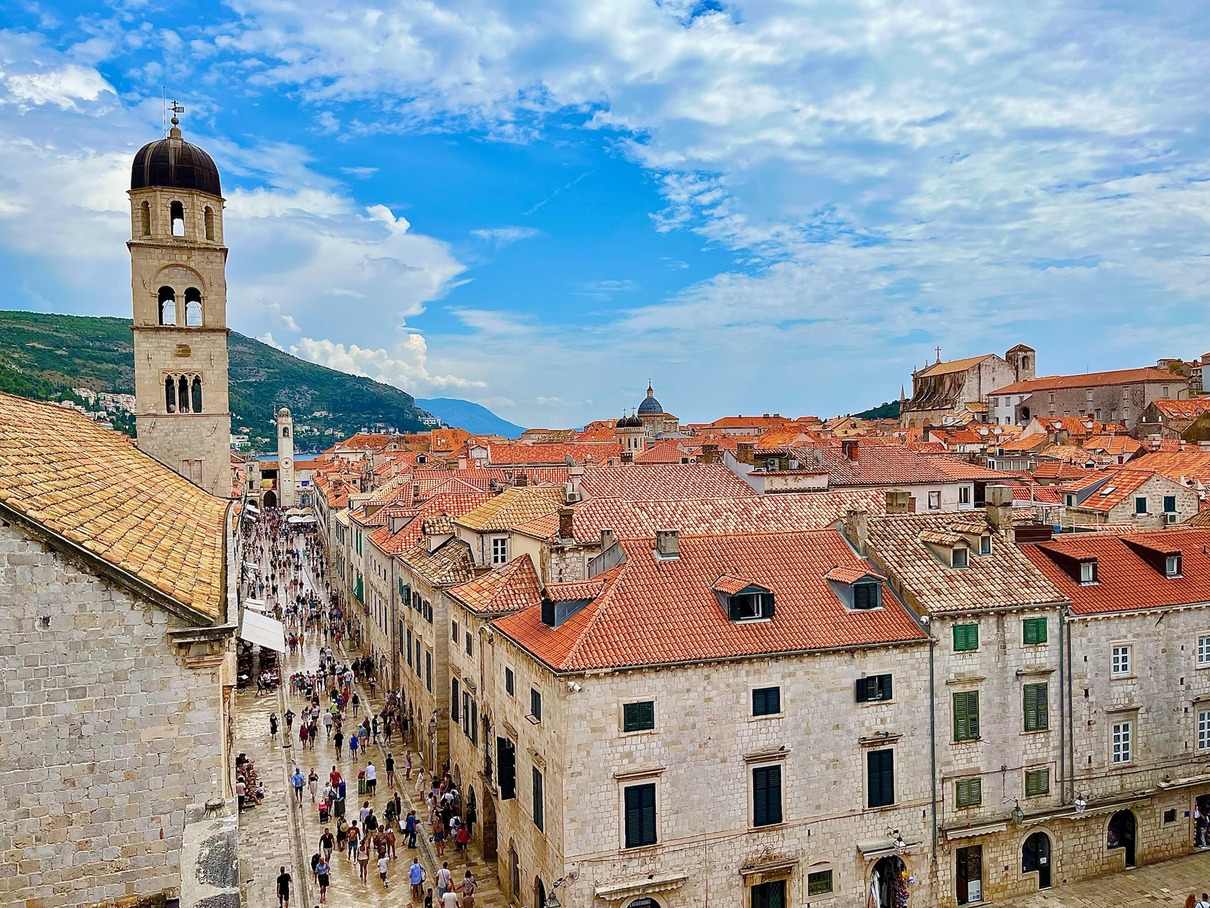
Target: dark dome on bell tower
173, 163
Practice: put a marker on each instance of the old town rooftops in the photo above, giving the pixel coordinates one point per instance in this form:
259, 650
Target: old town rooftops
513, 507
504, 589
1130, 569
448, 564
665, 610
1091, 380
913, 550
94, 488
639, 481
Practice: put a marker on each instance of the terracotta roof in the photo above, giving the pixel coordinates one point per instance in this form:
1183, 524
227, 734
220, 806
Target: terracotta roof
1113, 445
1091, 380
1125, 579
1192, 465
709, 516
1005, 578
953, 365
959, 470
551, 454
94, 488
664, 611
425, 516
749, 422
877, 464
504, 589
1068, 453
636, 481
451, 563
1183, 409
1025, 443
663, 452
1059, 471
513, 507
1119, 485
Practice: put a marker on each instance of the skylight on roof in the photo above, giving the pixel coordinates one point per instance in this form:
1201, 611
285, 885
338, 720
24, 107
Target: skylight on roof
1108, 489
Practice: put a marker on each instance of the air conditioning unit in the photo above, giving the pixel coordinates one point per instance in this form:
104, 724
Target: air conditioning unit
1170, 518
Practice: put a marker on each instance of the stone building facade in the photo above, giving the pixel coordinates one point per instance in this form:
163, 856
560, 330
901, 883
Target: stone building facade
1120, 396
945, 391
287, 490
179, 288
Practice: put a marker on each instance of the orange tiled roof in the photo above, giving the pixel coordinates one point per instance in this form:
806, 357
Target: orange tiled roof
1113, 444
445, 504
953, 365
505, 589
1119, 485
551, 454
749, 422
94, 488
513, 507
1191, 465
663, 452
451, 563
664, 611
635, 481
1057, 470
1025, 443
1091, 380
1183, 409
1125, 578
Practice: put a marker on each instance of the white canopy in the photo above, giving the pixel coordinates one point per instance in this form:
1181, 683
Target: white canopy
258, 605
263, 631
298, 520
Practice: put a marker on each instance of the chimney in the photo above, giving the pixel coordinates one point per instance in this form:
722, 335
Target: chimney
1000, 510
743, 452
667, 544
627, 457
856, 527
709, 454
850, 449
897, 501
565, 515
606, 538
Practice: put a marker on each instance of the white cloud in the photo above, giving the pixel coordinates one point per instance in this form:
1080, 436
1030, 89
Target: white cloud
405, 366
505, 236
62, 87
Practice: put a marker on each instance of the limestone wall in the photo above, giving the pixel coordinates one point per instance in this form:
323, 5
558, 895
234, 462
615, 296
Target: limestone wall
106, 736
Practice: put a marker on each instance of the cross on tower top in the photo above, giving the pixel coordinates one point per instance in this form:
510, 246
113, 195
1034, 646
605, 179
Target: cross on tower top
938, 349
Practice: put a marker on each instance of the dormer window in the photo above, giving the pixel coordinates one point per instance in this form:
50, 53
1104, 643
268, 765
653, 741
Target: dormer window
1172, 566
959, 556
865, 595
1088, 571
985, 545
750, 606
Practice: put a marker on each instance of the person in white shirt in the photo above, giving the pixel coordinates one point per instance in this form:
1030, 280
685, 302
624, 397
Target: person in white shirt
371, 779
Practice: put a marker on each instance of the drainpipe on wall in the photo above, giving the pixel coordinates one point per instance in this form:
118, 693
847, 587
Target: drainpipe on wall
1064, 681
1071, 740
933, 740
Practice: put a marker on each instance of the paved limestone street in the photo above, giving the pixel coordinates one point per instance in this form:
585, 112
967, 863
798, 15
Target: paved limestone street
267, 835
1168, 883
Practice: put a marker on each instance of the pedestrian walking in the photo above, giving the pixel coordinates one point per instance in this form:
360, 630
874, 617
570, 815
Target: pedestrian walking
409, 828
313, 783
371, 779
326, 844
298, 780
363, 857
467, 887
322, 878
353, 744
273, 726
445, 880
283, 888
352, 841
390, 767
416, 878
383, 864
338, 739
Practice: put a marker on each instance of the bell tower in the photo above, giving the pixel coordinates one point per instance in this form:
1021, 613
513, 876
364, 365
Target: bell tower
179, 290
287, 495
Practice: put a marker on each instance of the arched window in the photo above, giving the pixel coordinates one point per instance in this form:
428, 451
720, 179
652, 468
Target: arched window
167, 306
182, 394
209, 219
285, 431
196, 395
644, 902
176, 214
193, 307
145, 214
170, 394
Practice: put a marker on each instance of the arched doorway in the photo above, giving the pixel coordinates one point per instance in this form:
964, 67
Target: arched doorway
1035, 858
1121, 834
886, 882
539, 893
269, 500
490, 848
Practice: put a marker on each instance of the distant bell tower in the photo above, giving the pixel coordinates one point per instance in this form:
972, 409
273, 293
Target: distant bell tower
287, 496
179, 288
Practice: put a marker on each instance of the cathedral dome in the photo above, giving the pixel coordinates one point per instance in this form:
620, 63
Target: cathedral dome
629, 422
174, 164
650, 406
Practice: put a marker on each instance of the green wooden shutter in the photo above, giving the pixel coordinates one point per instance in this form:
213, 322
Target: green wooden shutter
1033, 631
968, 792
1037, 714
1037, 782
966, 715
966, 637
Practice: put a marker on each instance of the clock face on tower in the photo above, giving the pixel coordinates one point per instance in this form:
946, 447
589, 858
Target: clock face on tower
285, 461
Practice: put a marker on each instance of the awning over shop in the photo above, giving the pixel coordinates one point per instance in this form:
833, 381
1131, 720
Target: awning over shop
259, 605
300, 520
969, 832
263, 631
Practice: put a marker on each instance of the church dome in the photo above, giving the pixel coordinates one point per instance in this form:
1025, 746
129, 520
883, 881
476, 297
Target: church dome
173, 163
650, 406
629, 422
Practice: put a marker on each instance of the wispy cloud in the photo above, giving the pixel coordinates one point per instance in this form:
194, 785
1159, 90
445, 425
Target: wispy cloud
505, 236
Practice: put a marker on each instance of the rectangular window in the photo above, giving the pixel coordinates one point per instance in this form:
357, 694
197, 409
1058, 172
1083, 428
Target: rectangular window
409, 647
428, 671
966, 715
1119, 660
1037, 782
766, 795
510, 682
769, 895
1203, 729
418, 658
880, 778
1033, 631
1036, 706
1088, 572
865, 596
985, 545
1121, 735
966, 637
474, 723
964, 494
766, 701
960, 556
539, 803
470, 643
1203, 649
1169, 504
640, 815
873, 688
1140, 504
819, 882
638, 716
535, 703
934, 501
454, 631
968, 793
455, 687
499, 550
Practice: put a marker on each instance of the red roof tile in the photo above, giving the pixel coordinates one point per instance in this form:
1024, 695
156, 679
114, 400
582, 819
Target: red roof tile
510, 587
637, 481
1091, 380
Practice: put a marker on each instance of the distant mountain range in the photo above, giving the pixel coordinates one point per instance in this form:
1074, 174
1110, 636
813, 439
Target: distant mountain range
476, 419
45, 357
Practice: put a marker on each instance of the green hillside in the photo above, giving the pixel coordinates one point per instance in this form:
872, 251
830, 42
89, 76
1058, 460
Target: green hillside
44, 356
889, 410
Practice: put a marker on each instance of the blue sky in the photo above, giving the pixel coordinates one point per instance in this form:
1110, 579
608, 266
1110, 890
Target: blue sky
539, 206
